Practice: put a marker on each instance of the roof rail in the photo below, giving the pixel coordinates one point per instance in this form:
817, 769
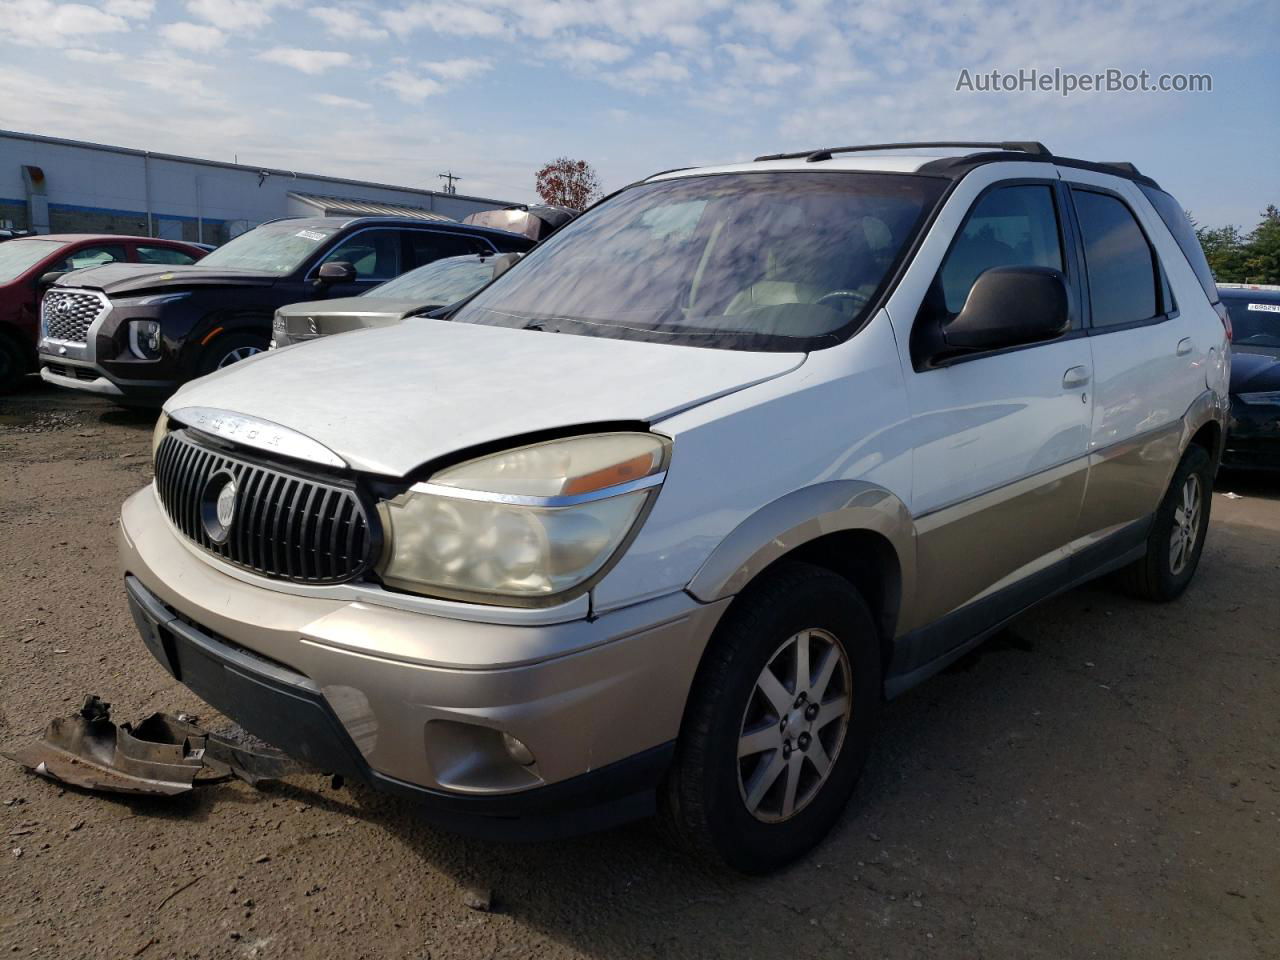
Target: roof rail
1033, 147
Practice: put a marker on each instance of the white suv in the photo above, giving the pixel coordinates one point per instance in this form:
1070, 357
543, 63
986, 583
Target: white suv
656, 520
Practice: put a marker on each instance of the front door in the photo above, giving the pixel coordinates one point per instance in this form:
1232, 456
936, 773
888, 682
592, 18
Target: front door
1001, 439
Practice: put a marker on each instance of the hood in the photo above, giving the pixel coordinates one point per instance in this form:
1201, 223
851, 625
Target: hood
391, 399
1254, 372
125, 279
354, 307
321, 318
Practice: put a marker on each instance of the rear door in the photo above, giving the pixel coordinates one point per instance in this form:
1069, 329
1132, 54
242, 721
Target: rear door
1149, 362
1000, 439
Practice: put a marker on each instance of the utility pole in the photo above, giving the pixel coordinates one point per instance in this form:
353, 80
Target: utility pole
450, 177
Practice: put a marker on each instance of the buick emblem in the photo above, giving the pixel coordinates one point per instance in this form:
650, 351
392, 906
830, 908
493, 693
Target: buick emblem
218, 506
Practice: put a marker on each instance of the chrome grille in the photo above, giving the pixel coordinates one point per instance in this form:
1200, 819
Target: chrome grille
68, 314
285, 525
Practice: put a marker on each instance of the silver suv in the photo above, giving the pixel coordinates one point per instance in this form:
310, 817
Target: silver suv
658, 519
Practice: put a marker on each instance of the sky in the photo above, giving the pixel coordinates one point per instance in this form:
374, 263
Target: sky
402, 90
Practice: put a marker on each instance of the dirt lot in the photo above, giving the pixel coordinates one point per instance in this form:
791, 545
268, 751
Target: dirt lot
1101, 780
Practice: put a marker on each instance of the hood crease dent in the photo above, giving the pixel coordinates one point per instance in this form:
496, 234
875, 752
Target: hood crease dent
391, 399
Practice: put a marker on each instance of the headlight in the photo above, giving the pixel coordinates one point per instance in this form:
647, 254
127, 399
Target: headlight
522, 526
1266, 398
144, 339
160, 298
158, 434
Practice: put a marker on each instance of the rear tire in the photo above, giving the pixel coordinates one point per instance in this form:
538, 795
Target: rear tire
745, 788
229, 349
1177, 532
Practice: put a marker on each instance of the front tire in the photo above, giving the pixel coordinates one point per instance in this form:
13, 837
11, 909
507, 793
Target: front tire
229, 349
13, 364
1177, 532
779, 722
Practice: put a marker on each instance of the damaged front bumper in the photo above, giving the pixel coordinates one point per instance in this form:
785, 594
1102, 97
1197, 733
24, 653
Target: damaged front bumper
426, 705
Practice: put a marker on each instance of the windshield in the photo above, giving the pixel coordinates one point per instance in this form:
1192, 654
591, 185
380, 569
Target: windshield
19, 256
440, 283
751, 261
277, 248
1254, 322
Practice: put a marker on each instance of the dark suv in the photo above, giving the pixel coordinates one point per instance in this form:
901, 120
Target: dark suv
135, 333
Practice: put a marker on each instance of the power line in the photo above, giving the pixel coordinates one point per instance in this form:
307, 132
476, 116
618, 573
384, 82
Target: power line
450, 176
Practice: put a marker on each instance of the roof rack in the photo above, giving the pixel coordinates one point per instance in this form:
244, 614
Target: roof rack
1033, 147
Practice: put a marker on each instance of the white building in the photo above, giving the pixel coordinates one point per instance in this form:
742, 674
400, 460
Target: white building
71, 186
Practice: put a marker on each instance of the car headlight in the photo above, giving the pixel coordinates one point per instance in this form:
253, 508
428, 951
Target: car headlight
523, 526
1263, 399
157, 435
144, 339
159, 298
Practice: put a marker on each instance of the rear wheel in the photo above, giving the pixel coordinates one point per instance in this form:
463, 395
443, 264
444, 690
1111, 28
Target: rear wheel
1177, 532
233, 348
779, 722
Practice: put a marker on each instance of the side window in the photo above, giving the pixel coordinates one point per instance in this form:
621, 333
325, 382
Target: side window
1124, 279
374, 253
94, 256
1014, 226
426, 246
1175, 218
165, 255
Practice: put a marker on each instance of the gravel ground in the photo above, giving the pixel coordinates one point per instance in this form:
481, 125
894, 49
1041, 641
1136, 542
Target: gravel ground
1100, 780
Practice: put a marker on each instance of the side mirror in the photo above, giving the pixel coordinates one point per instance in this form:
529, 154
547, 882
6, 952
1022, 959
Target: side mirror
50, 278
1008, 307
336, 271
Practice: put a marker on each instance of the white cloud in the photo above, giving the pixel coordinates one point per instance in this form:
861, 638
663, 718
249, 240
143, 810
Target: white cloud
95, 56
342, 103
410, 87
236, 14
41, 23
589, 50
193, 36
458, 70
659, 69
312, 62
462, 19
131, 9
346, 22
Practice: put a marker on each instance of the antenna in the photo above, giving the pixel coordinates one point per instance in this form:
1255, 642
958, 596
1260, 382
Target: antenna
450, 177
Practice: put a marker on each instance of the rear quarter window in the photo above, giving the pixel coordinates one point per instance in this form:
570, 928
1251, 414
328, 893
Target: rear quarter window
1175, 218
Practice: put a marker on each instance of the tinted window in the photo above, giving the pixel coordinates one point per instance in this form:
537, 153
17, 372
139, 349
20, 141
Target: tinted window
1175, 218
427, 247
164, 255
1254, 322
374, 253
19, 256
745, 261
439, 283
94, 256
1120, 262
277, 248
1008, 227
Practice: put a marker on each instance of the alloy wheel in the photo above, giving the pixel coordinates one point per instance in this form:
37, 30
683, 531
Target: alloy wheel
794, 725
239, 353
1186, 525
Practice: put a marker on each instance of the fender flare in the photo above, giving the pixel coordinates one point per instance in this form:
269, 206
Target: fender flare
802, 516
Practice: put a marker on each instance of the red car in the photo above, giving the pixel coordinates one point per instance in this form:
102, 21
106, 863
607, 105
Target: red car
26, 265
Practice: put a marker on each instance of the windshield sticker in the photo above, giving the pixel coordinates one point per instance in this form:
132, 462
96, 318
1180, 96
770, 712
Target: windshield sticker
309, 235
1265, 307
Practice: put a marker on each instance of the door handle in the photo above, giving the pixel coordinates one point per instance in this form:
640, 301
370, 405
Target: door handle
1074, 378
1184, 346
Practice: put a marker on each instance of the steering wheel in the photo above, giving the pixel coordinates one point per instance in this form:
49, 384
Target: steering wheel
861, 298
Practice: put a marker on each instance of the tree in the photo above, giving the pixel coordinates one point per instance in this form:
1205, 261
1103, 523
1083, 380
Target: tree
568, 183
1262, 255
1224, 248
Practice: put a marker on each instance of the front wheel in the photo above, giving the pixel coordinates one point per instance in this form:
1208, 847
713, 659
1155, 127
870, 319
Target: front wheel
13, 365
779, 722
1177, 532
233, 348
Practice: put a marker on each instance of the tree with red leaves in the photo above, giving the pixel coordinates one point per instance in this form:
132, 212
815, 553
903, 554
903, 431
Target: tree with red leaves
568, 183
